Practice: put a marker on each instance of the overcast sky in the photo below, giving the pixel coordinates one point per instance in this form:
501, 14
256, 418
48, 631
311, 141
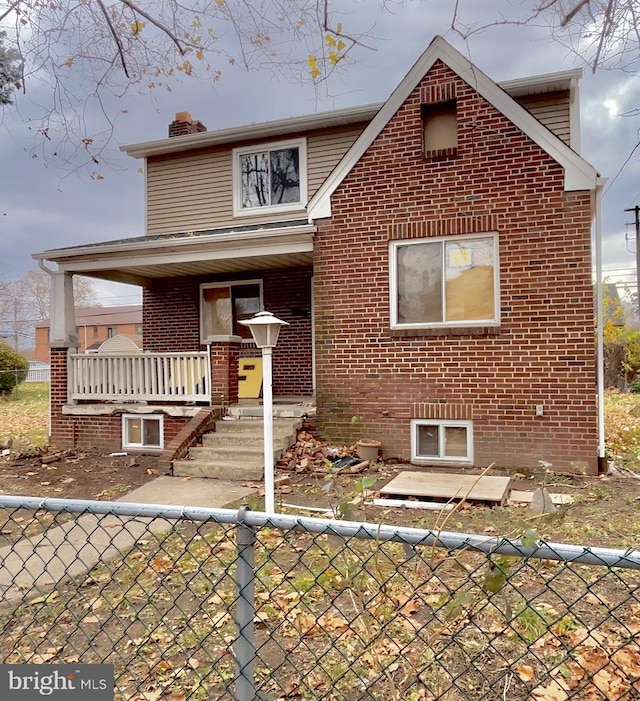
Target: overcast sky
43, 207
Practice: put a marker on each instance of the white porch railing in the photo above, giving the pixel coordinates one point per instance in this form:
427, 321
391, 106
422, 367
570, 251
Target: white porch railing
184, 377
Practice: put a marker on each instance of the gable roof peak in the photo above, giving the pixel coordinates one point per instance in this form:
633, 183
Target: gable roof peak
579, 174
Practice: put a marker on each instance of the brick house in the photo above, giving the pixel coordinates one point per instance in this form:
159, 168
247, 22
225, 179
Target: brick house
432, 255
94, 325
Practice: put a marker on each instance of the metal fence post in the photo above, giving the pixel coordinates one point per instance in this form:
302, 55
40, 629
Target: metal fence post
245, 651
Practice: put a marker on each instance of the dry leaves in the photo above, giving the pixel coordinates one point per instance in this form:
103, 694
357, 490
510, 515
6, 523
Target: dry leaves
597, 671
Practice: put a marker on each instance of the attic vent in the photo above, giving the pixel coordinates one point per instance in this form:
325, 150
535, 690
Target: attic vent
440, 129
437, 93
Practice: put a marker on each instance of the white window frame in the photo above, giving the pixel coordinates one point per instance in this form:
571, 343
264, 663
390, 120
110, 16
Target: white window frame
238, 209
441, 457
393, 282
126, 443
231, 337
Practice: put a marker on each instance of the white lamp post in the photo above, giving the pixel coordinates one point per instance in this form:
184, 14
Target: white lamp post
265, 328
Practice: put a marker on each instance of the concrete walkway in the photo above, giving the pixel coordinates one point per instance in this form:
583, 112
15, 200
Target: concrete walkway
33, 566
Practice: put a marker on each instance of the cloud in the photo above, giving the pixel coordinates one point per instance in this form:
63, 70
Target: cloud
42, 209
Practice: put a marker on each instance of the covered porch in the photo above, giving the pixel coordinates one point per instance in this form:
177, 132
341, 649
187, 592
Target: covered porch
196, 287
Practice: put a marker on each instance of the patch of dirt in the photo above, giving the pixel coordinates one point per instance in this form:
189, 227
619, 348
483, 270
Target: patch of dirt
75, 474
68, 475
605, 510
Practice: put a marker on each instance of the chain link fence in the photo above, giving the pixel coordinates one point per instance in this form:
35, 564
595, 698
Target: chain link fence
201, 604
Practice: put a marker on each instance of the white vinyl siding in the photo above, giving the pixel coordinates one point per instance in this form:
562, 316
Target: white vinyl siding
552, 109
194, 190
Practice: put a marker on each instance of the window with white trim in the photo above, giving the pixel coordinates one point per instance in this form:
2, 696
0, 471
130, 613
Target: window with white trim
224, 304
448, 440
272, 177
450, 281
140, 431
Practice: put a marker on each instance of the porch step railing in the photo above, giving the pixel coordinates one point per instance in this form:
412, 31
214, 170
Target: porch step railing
183, 377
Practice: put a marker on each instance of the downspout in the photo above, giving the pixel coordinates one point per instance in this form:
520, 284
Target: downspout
602, 460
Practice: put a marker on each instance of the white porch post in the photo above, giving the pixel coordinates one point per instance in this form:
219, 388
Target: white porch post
62, 316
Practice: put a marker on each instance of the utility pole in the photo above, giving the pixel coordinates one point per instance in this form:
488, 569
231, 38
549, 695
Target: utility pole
636, 211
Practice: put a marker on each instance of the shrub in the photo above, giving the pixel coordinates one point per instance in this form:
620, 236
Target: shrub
13, 368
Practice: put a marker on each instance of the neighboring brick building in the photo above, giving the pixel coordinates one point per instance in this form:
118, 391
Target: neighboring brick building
94, 325
432, 256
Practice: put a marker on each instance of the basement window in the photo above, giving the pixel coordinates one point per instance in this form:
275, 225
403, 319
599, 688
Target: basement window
446, 440
143, 431
440, 129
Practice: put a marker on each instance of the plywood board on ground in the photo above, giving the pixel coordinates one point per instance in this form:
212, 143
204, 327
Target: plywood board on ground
448, 485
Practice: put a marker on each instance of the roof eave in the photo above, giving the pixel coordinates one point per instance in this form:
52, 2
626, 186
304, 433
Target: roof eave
168, 243
279, 127
560, 80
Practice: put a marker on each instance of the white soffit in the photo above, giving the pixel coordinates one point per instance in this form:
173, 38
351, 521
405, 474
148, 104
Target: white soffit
578, 173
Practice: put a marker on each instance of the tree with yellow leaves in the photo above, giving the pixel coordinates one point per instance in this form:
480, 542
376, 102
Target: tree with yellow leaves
621, 340
89, 49
85, 50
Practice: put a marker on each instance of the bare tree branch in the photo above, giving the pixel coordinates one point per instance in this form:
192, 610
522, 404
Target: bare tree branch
150, 18
116, 38
604, 32
9, 10
569, 16
69, 48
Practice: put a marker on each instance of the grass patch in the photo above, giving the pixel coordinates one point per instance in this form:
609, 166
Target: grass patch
622, 428
25, 413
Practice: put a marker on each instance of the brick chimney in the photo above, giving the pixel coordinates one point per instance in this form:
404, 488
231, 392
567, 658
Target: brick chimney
183, 124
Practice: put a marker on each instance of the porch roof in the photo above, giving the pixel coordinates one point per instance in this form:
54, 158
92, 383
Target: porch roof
139, 259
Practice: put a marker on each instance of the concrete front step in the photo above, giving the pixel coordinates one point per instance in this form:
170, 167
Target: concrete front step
281, 441
235, 450
248, 453
246, 425
227, 470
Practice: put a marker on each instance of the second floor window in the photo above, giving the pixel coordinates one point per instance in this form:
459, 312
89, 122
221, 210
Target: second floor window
272, 177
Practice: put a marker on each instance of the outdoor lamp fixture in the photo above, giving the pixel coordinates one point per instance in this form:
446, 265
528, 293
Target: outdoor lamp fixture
265, 328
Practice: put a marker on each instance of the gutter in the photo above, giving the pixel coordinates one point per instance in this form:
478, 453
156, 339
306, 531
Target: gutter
602, 460
261, 130
169, 243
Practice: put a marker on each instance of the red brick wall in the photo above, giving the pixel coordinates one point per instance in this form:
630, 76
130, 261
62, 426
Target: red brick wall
87, 336
171, 322
105, 432
171, 316
62, 430
543, 352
